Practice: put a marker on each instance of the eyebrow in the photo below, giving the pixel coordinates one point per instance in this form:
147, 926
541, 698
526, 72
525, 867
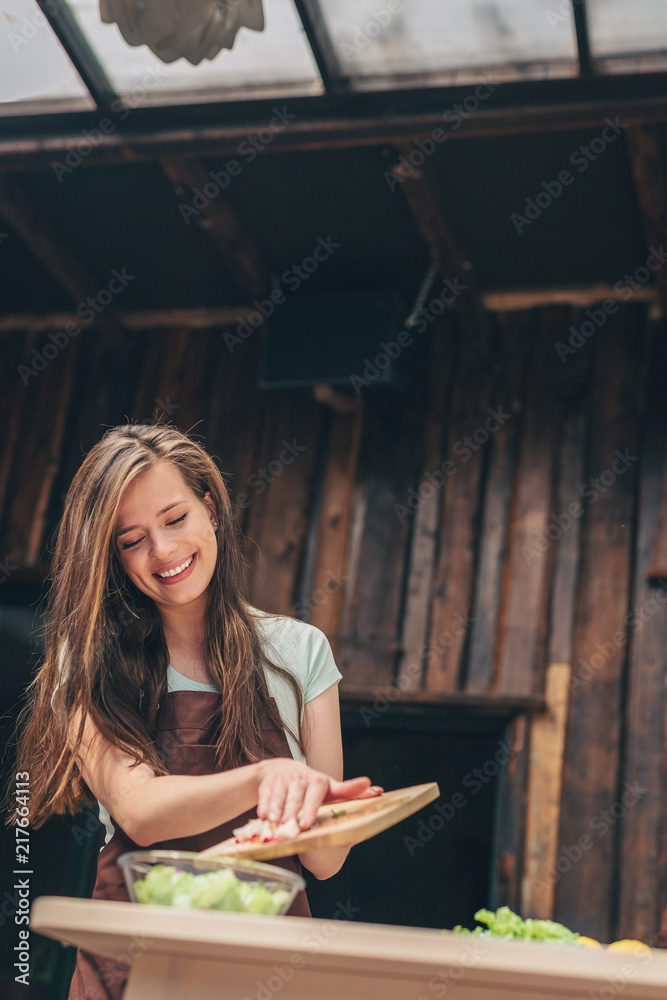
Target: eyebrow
164, 510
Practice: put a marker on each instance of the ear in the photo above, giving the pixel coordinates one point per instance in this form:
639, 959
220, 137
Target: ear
213, 514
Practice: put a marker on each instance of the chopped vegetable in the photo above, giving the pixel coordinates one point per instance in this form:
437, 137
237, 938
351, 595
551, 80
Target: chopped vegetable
264, 831
504, 924
166, 885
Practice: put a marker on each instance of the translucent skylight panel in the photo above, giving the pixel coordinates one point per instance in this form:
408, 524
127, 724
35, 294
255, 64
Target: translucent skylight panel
449, 41
628, 36
274, 62
35, 72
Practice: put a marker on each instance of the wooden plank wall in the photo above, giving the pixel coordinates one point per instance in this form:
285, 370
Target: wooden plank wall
595, 723
431, 535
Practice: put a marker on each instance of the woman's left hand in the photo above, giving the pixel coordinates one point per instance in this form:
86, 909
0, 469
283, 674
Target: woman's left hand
291, 790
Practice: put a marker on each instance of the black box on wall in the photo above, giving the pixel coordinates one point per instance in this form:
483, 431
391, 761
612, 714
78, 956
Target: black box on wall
351, 340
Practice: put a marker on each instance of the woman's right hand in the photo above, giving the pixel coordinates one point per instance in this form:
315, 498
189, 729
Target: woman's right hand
289, 789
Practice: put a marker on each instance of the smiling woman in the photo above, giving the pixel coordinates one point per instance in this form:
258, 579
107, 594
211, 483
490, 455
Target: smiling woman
169, 555
163, 695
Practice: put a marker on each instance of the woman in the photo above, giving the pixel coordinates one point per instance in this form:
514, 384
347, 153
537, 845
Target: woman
163, 695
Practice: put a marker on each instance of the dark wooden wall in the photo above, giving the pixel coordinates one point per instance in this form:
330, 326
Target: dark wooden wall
475, 592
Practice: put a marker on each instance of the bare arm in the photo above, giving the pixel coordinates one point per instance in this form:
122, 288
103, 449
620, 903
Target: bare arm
324, 752
151, 808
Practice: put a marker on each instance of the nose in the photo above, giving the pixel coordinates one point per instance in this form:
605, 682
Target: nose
162, 546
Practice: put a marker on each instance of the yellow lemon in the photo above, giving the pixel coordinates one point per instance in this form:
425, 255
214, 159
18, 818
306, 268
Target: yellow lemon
589, 942
628, 945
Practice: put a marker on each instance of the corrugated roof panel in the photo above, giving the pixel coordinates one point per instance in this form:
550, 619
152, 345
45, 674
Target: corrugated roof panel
275, 62
628, 37
35, 72
428, 41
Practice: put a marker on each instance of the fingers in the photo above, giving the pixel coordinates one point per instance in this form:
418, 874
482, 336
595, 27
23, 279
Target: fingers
371, 792
296, 792
353, 788
271, 797
294, 800
315, 794
291, 791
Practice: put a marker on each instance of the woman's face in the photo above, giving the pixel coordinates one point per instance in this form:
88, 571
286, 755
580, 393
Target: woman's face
165, 537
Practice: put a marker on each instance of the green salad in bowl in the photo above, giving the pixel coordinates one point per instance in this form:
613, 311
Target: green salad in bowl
188, 881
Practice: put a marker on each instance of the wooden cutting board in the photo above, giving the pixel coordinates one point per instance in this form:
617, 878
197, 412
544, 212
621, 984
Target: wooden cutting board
339, 824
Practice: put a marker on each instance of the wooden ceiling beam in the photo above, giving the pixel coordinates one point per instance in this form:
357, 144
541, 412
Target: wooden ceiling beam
332, 121
216, 217
514, 299
42, 239
203, 318
29, 222
650, 175
423, 194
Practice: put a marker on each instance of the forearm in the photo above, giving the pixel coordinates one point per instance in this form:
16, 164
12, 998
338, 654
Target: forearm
169, 806
326, 862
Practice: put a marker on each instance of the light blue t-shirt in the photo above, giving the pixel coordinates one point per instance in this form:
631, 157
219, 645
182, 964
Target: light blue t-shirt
298, 647
301, 648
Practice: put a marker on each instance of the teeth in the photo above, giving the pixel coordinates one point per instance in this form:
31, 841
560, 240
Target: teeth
179, 569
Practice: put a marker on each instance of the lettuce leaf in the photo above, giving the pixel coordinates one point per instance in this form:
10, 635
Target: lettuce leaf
504, 925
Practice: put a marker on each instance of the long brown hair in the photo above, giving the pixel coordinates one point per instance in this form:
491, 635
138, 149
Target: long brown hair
106, 653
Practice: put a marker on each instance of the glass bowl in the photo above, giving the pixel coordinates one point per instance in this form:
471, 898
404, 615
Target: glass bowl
186, 880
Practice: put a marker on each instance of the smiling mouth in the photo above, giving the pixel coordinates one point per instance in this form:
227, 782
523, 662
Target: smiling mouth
169, 573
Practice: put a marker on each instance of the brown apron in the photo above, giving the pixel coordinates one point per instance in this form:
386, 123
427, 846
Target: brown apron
186, 724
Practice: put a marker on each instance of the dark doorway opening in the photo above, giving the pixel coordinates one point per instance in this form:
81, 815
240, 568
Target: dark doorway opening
434, 869
62, 853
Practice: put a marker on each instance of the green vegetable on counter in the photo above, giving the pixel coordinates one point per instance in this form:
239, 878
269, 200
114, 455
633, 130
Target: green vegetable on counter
165, 885
504, 924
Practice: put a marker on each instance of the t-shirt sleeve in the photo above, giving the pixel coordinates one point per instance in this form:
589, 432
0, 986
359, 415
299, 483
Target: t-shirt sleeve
322, 671
302, 649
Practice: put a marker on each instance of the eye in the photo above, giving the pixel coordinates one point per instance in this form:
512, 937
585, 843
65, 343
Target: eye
130, 545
